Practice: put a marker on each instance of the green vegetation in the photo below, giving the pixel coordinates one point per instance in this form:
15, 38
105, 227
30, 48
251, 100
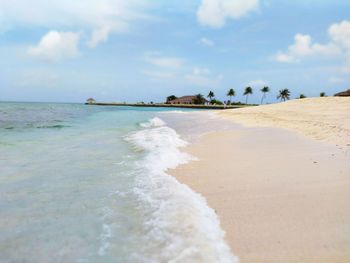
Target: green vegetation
248, 91
264, 90
211, 95
199, 99
237, 103
231, 93
170, 98
216, 102
284, 94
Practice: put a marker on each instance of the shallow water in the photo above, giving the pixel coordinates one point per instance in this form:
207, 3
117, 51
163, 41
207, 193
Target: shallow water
88, 184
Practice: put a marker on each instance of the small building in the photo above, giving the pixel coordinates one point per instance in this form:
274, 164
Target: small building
343, 94
90, 101
185, 100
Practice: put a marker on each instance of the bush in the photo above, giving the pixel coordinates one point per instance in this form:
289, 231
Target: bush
237, 103
170, 98
216, 102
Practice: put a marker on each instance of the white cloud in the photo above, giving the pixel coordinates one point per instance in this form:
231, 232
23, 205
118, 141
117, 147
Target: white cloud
259, 83
202, 77
55, 46
200, 71
346, 68
339, 45
175, 68
164, 67
158, 75
214, 13
336, 80
285, 58
156, 59
100, 18
340, 34
206, 42
99, 36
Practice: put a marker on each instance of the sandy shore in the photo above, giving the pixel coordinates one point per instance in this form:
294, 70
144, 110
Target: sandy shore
326, 119
281, 197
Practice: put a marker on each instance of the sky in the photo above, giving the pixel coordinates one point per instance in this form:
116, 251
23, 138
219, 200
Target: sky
144, 50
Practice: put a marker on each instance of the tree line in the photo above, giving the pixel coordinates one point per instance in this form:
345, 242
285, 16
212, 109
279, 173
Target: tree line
283, 95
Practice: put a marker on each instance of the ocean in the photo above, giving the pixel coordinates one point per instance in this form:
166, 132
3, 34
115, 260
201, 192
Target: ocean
83, 183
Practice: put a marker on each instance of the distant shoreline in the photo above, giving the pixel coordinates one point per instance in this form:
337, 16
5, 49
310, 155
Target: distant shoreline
163, 105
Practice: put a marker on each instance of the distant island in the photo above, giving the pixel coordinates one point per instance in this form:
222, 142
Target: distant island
189, 101
200, 102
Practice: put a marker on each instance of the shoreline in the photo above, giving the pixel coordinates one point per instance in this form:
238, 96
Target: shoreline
280, 196
178, 106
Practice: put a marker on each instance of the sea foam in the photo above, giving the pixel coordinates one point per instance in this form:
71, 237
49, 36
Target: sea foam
178, 226
154, 122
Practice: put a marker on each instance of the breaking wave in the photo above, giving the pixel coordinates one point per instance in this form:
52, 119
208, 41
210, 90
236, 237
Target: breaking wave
178, 225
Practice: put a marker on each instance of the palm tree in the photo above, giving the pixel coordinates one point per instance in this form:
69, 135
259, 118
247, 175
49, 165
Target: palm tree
284, 94
199, 99
231, 93
211, 95
264, 90
302, 96
171, 97
323, 94
247, 92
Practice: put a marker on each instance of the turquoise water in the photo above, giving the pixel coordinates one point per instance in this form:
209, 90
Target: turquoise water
88, 184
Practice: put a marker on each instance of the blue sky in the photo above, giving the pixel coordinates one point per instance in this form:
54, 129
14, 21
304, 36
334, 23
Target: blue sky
138, 50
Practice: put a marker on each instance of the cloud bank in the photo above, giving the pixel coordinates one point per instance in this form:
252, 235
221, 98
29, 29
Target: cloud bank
97, 19
157, 59
258, 83
303, 46
202, 77
214, 13
206, 42
55, 46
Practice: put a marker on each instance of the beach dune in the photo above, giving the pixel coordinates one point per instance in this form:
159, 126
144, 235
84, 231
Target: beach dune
324, 118
281, 182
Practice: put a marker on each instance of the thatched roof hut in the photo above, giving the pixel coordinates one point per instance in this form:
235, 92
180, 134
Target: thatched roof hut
90, 101
343, 93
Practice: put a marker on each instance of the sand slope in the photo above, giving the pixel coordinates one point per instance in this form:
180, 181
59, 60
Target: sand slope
326, 118
280, 198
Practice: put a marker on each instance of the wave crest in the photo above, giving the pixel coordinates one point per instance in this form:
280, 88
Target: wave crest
179, 226
154, 122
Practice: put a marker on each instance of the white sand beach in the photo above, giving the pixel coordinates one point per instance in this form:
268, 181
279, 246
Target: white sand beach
281, 182
326, 118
